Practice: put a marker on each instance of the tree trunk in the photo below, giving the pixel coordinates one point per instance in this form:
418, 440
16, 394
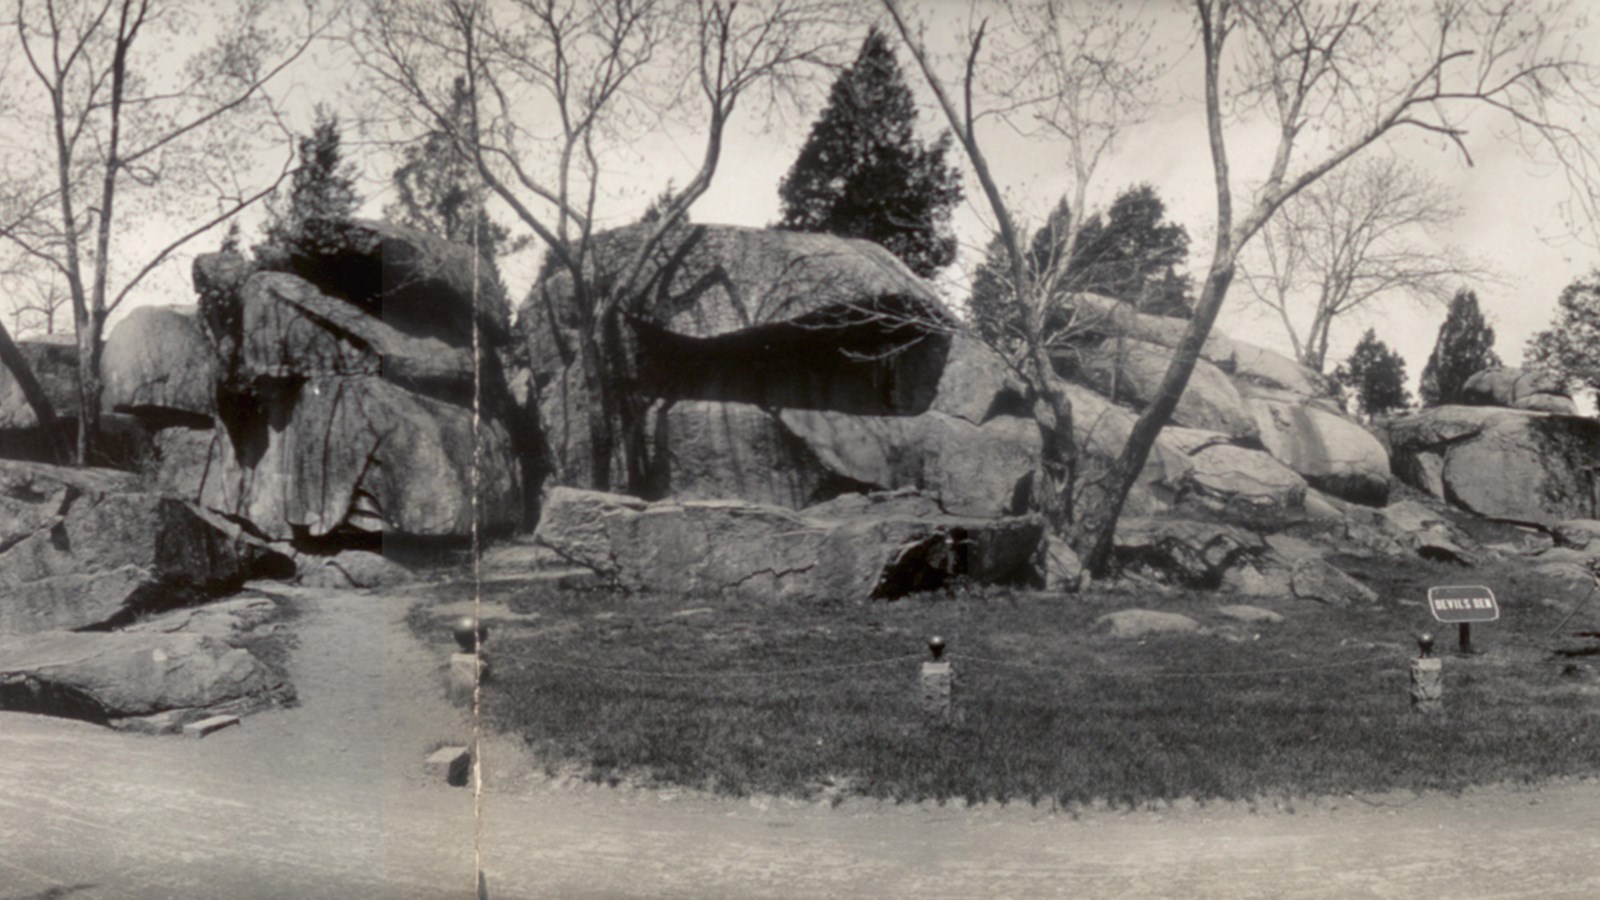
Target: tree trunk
1096, 527
1054, 475
12, 359
90, 388
597, 388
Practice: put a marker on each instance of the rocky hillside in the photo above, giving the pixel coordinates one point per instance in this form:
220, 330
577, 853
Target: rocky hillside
814, 426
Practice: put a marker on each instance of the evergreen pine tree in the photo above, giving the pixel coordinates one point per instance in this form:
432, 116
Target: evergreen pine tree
1133, 255
1464, 348
437, 185
863, 172
1129, 254
1570, 347
1376, 374
321, 188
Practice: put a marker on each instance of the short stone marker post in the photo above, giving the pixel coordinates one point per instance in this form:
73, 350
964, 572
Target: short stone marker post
470, 665
1427, 678
938, 683
452, 764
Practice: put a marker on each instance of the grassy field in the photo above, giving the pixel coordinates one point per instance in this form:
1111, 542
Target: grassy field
740, 696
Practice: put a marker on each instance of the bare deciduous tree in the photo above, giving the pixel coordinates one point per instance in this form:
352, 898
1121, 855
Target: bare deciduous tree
559, 93
1078, 76
1345, 77
115, 131
1353, 241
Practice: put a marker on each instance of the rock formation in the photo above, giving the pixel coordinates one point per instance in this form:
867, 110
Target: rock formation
346, 386
85, 547
788, 368
1505, 463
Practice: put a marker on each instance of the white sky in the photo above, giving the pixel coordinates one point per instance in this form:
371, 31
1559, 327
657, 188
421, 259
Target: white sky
1510, 208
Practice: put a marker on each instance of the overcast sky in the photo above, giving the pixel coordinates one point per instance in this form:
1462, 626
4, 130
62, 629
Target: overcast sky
1510, 218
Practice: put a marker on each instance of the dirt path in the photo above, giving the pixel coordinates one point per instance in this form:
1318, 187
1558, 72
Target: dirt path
328, 800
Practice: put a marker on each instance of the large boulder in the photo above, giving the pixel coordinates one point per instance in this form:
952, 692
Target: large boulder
709, 281
358, 454
785, 368
109, 676
1505, 463
705, 449
1136, 368
851, 551
1330, 451
974, 470
1234, 477
1247, 363
1518, 389
83, 547
158, 365
421, 284
1100, 430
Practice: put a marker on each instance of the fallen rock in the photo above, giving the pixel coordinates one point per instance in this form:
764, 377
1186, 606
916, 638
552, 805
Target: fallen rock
106, 676
1187, 551
828, 552
81, 547
1138, 623
352, 569
1429, 534
158, 365
1315, 579
1504, 463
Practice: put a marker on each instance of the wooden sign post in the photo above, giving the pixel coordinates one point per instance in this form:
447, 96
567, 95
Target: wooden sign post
1463, 605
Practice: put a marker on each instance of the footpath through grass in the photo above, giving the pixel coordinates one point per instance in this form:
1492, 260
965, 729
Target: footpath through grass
741, 696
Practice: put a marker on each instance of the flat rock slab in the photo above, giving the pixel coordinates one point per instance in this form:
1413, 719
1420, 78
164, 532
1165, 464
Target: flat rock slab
104, 676
768, 551
225, 620
1137, 623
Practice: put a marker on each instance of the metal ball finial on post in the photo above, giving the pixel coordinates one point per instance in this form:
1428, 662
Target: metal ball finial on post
1427, 678
470, 664
938, 682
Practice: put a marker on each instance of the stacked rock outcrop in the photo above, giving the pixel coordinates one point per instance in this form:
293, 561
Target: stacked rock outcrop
345, 390
1520, 455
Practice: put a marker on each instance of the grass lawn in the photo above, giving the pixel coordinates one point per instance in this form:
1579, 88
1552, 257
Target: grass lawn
741, 696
